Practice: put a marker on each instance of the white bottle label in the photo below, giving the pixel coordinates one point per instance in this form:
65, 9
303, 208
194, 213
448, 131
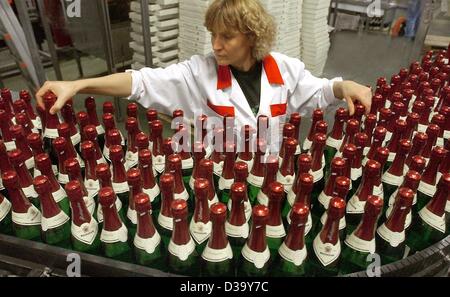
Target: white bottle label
51, 133
359, 244
333, 142
327, 253
355, 173
85, 233
54, 222
446, 134
92, 186
147, 244
153, 192
182, 251
432, 219
30, 218
291, 197
10, 145
63, 178
100, 129
392, 179
286, 180
447, 206
131, 158
317, 175
237, 231
90, 204
106, 152
217, 168
166, 222
342, 221
275, 231
118, 204
37, 123
81, 161
427, 189
308, 225
254, 180
262, 198
297, 257
259, 259
355, 206
208, 152
29, 163
225, 184
187, 163
191, 182
200, 231
214, 200
394, 238
183, 195
76, 138
217, 255
408, 218
132, 215
59, 195
158, 163
391, 157
324, 199
30, 192
378, 191
307, 144
119, 235
120, 188
5, 207
422, 128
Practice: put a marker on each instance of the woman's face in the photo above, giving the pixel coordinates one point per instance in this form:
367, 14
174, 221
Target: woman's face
231, 47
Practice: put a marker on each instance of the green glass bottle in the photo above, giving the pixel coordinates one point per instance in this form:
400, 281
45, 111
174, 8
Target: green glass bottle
325, 258
183, 257
173, 165
393, 177
255, 255
379, 134
91, 110
187, 163
303, 166
381, 157
394, 143
316, 117
427, 186
236, 226
288, 132
51, 123
200, 225
286, 174
352, 127
418, 143
72, 142
227, 177
60, 145
164, 215
85, 235
148, 247
18, 134
245, 154
430, 227
355, 206
134, 179
131, 155
369, 128
74, 172
91, 134
25, 179
270, 176
275, 232
240, 175
217, 257
296, 120
356, 171
255, 178
336, 136
198, 154
43, 163
292, 254
206, 171
390, 238
5, 216
156, 140
361, 242
217, 155
349, 155
5, 165
114, 235
317, 166
149, 184
119, 176
55, 224
25, 216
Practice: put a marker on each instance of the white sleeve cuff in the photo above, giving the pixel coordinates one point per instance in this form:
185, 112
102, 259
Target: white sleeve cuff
328, 92
136, 85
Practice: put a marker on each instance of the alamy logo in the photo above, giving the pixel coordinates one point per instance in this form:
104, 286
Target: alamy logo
73, 9
374, 268
374, 9
74, 268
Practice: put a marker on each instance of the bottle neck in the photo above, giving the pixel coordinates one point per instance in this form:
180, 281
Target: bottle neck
51, 120
111, 220
180, 233
295, 239
367, 227
430, 174
258, 166
366, 187
237, 214
330, 231
167, 198
288, 165
145, 227
48, 205
376, 143
274, 212
228, 166
398, 164
5, 164
148, 179
90, 164
338, 130
257, 238
316, 154
131, 143
328, 190
270, 176
25, 179
105, 182
246, 155
396, 221
135, 189
20, 203
201, 211
218, 239
80, 213
438, 202
62, 157
119, 173
157, 144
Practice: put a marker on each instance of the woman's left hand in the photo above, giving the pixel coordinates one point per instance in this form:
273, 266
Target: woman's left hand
351, 92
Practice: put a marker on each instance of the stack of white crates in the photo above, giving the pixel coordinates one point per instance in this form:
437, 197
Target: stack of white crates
194, 38
315, 41
163, 19
287, 16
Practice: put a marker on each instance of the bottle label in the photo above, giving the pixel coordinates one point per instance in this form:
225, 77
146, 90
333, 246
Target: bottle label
355, 206
158, 163
5, 207
131, 158
187, 163
391, 156
387, 138
63, 178
378, 191
152, 192
427, 189
307, 144
166, 222
76, 138
100, 129
81, 161
365, 152
85, 233
183, 195
422, 128
59, 195
132, 215
342, 221
92, 186
102, 160
149, 245
308, 225
214, 200
440, 142
54, 222
360, 245
394, 238
225, 184
446, 134
254, 180
106, 152
317, 175
291, 197
217, 255
30, 218
247, 208
262, 198
259, 259
29, 163
191, 182
10, 145
297, 257
120, 188
324, 199
392, 179
334, 143
119, 235
30, 192
237, 231
1, 185
118, 204
90, 204
37, 123
286, 180
182, 251
51, 133
200, 231
327, 253
275, 231
447, 206
355, 173
432, 219
217, 168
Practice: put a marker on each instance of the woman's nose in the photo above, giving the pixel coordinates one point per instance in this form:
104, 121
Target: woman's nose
216, 43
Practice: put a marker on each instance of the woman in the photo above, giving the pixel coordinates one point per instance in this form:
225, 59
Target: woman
240, 78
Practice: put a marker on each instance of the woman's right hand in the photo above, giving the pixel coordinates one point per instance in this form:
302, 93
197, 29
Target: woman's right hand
64, 90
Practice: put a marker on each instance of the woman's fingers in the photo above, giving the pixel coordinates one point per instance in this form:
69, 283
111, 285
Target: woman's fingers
351, 106
41, 92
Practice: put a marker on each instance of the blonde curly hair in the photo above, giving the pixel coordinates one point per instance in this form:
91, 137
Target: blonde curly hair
248, 17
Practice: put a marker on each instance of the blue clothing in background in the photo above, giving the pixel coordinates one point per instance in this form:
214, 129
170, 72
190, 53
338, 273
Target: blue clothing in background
413, 18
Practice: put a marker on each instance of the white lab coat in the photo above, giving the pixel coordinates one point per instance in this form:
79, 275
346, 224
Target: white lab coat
198, 86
